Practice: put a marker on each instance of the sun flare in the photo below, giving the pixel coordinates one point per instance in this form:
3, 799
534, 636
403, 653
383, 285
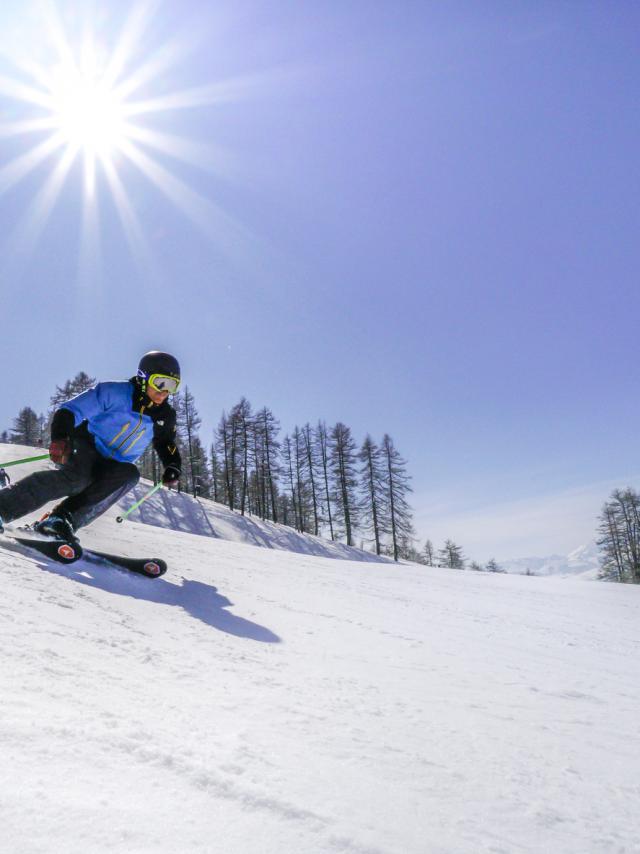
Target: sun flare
80, 97
87, 112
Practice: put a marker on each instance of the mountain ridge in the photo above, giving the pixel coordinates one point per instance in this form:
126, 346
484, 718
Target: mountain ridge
581, 561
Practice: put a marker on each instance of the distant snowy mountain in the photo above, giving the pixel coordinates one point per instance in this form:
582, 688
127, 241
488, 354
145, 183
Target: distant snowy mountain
584, 560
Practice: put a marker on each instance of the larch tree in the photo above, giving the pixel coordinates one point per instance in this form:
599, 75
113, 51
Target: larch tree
322, 452
216, 474
311, 472
242, 425
229, 447
398, 517
493, 566
342, 456
619, 537
450, 555
429, 553
150, 465
194, 461
372, 483
268, 428
292, 502
81, 382
297, 453
28, 428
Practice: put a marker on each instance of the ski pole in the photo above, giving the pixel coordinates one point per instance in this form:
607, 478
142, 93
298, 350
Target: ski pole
25, 460
138, 503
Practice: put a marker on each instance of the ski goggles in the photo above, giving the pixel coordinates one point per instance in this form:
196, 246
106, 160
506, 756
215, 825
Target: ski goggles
161, 382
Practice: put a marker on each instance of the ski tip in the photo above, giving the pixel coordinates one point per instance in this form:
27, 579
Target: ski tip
68, 552
154, 568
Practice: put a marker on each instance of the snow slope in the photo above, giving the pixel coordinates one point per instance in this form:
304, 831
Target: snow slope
260, 701
182, 512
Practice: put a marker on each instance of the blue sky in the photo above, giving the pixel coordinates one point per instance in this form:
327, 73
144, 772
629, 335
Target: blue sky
418, 218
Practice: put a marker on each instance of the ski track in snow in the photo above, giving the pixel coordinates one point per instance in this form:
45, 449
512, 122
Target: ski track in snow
260, 701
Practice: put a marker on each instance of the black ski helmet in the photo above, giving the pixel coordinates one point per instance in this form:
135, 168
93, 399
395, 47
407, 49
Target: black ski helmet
155, 362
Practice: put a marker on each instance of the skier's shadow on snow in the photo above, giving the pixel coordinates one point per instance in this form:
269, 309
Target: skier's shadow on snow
201, 601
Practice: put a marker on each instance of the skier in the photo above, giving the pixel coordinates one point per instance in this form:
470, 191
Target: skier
4, 478
95, 439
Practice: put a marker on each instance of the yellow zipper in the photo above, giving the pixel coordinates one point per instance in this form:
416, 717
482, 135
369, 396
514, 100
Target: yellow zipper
131, 435
124, 430
132, 442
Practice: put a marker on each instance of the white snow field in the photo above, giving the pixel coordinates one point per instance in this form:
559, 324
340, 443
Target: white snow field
265, 701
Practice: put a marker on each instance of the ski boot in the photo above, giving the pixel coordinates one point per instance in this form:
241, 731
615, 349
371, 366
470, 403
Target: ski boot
58, 526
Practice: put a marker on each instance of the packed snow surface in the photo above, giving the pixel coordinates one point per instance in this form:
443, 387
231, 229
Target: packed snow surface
263, 701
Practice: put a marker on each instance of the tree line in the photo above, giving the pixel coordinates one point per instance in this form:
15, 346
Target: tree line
451, 556
619, 537
316, 478
29, 428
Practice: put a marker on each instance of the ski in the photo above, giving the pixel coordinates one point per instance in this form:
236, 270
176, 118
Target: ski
62, 551
149, 567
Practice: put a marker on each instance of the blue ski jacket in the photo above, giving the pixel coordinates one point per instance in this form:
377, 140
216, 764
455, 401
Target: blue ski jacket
124, 422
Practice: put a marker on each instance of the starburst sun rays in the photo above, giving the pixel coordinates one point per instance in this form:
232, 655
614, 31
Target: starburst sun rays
91, 104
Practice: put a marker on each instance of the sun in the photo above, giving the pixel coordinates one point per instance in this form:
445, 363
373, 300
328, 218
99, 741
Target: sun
98, 94
87, 112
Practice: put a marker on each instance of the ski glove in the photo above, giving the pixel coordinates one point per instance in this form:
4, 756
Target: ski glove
60, 451
171, 476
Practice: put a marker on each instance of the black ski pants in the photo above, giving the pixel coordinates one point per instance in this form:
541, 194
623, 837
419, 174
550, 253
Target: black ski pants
91, 482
